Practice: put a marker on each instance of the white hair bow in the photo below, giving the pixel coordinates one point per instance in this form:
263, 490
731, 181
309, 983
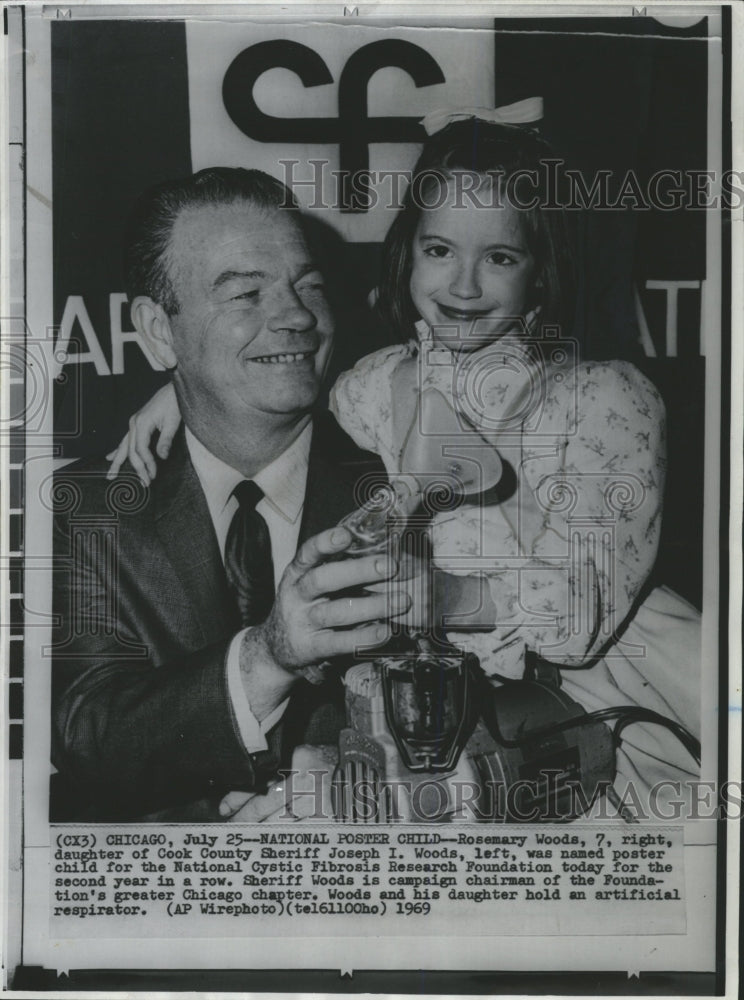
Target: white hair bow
520, 113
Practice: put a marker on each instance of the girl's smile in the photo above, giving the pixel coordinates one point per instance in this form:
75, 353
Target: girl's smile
460, 313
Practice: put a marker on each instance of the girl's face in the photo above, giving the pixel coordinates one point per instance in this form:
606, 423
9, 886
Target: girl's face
472, 271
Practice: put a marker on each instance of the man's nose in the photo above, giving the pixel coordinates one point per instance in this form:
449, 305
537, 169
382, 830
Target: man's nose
465, 284
289, 312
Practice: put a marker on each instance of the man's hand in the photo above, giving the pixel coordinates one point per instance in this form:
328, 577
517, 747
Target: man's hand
304, 794
408, 592
310, 622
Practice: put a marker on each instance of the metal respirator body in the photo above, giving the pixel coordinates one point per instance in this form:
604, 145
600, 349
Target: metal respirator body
430, 738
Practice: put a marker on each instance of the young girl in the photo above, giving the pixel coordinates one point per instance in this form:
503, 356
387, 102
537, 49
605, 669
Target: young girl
558, 465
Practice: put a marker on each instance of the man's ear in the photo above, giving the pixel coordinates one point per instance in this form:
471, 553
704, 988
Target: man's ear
151, 322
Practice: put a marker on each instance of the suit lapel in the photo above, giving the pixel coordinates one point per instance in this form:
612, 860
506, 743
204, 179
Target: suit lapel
185, 528
335, 470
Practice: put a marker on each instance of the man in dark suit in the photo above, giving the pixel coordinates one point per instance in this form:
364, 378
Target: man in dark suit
172, 686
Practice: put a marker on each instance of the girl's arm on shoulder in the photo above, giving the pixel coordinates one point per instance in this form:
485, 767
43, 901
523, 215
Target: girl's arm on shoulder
160, 414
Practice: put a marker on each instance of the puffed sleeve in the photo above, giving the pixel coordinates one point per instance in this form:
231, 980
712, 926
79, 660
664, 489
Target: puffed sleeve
567, 554
362, 402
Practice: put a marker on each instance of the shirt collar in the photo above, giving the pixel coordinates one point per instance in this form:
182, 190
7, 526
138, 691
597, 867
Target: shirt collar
282, 481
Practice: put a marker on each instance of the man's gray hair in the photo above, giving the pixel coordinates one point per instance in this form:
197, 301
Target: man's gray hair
150, 228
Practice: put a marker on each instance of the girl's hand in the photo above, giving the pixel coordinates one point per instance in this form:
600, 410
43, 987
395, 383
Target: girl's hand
161, 414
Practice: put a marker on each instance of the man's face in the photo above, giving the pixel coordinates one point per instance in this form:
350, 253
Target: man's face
254, 331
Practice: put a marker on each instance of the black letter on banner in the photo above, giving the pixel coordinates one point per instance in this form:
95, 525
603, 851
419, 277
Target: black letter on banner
357, 129
241, 77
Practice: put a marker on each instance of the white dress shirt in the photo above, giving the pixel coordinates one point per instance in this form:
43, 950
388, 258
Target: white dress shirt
283, 484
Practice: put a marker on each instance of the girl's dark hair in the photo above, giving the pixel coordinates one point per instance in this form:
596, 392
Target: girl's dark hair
148, 239
506, 153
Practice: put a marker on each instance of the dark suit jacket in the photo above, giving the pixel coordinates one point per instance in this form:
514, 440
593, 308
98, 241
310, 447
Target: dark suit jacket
143, 726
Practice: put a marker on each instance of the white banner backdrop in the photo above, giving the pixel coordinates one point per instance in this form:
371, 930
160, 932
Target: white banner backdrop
344, 94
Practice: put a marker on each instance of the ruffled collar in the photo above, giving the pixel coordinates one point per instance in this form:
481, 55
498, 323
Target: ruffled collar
518, 347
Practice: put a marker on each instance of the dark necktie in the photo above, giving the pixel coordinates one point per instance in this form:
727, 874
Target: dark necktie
248, 563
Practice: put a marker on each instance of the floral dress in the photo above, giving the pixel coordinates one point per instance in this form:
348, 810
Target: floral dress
566, 538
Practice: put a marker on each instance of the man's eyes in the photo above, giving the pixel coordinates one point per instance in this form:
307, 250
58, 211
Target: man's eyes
313, 282
254, 294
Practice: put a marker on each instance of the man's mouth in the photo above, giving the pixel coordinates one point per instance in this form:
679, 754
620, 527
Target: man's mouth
283, 359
